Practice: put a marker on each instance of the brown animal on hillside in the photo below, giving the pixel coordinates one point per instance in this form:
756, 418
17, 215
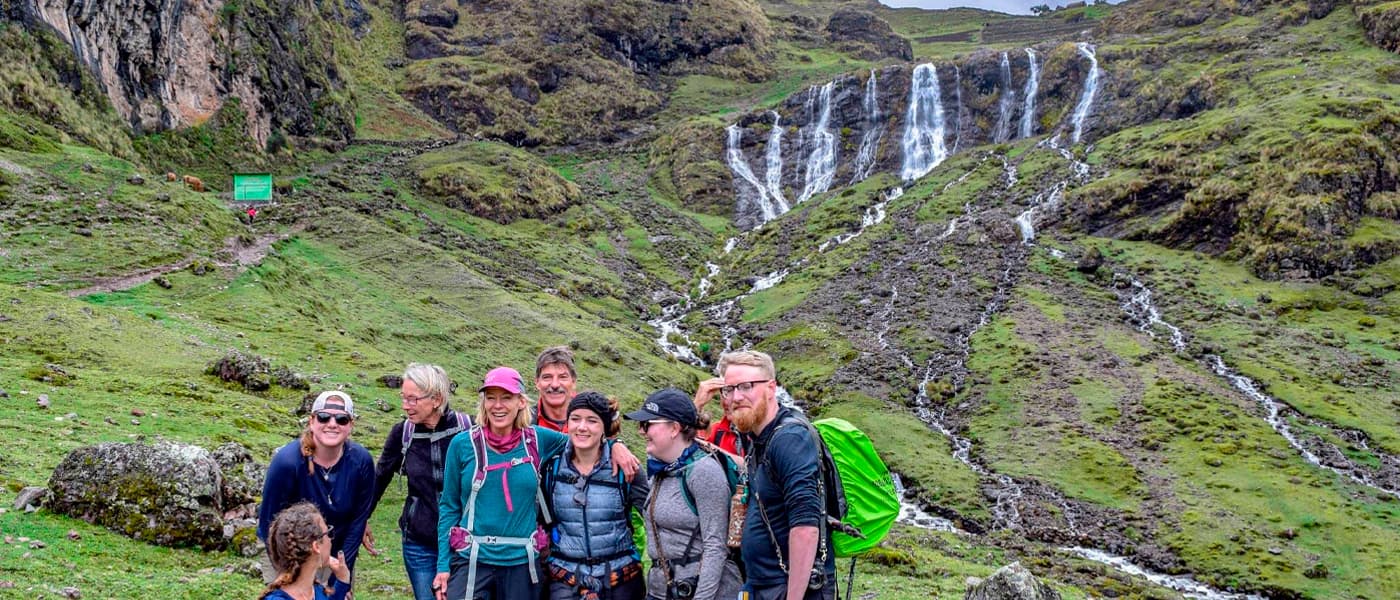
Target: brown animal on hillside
170, 176
194, 183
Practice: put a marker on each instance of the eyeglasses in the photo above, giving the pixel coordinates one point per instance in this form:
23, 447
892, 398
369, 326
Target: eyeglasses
414, 399
645, 425
743, 388
330, 529
340, 419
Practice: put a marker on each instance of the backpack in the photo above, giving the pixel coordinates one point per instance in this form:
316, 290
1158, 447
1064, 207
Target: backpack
532, 544
853, 472
409, 434
867, 498
735, 474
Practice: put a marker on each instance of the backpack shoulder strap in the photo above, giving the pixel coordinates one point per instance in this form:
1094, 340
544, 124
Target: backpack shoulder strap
478, 439
531, 439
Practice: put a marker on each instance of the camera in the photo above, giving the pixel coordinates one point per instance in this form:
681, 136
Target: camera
682, 589
817, 580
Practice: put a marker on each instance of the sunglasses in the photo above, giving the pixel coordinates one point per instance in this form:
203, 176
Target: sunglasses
645, 425
340, 419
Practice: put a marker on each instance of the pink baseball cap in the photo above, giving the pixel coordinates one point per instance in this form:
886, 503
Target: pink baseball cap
505, 378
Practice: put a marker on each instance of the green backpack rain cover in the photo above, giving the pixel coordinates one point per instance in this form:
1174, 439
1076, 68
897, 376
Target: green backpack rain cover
871, 502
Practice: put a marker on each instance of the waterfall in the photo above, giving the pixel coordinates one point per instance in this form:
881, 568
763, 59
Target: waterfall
958, 107
924, 132
821, 159
773, 163
1008, 99
1091, 86
1032, 86
740, 166
865, 157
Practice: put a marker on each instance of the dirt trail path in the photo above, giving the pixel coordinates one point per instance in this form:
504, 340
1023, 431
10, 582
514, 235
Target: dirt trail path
242, 256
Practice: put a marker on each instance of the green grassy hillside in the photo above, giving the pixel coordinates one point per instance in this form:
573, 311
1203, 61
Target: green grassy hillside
1243, 164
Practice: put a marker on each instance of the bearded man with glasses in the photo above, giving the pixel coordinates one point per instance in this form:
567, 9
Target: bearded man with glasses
786, 544
325, 468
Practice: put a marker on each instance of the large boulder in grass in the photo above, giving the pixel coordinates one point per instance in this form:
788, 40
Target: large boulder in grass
166, 493
1011, 582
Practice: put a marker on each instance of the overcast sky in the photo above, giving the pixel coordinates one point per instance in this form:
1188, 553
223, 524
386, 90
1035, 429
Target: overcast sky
1015, 7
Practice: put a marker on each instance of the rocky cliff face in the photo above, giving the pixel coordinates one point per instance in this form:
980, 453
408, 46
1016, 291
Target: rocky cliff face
175, 63
535, 73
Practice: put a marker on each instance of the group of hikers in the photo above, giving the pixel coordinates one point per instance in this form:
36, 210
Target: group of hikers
527, 503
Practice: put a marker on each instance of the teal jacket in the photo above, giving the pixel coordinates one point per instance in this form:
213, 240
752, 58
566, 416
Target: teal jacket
492, 516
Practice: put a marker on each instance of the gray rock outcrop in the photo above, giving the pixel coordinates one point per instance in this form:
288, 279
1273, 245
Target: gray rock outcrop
167, 493
176, 63
1011, 582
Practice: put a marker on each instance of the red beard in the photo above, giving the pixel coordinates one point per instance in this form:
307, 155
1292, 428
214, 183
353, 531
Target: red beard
748, 420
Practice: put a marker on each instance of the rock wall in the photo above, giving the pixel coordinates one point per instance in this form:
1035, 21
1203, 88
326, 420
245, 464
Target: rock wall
166, 64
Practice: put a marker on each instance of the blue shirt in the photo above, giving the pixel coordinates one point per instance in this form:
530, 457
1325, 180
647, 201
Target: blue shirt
785, 477
493, 516
344, 493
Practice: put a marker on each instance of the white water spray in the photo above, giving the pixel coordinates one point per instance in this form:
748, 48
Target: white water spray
773, 163
1189, 588
924, 132
821, 159
1091, 87
870, 141
1002, 131
767, 209
1032, 87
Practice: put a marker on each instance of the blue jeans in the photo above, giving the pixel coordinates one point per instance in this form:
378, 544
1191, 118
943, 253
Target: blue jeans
421, 563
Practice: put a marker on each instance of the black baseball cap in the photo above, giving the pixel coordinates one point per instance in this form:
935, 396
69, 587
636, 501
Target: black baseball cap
670, 404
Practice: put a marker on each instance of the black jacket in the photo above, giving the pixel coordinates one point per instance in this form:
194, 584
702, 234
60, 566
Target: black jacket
423, 466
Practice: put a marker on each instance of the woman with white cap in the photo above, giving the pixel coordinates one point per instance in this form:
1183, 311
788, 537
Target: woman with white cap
489, 537
325, 468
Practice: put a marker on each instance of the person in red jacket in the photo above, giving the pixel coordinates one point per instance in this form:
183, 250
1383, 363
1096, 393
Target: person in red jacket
722, 433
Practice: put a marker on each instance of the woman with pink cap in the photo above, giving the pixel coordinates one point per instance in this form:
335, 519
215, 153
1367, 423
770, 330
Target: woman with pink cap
325, 468
489, 537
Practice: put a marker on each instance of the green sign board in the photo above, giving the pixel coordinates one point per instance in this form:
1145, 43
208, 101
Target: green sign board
252, 187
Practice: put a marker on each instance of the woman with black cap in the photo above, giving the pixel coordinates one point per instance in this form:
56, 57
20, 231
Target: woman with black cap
687, 512
592, 555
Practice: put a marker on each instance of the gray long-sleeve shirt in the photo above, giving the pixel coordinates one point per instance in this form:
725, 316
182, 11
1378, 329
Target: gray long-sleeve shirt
677, 525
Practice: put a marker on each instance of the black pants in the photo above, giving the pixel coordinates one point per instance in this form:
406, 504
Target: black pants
779, 592
494, 582
632, 589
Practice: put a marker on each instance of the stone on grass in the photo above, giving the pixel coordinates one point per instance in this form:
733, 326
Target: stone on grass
43, 401
166, 493
30, 496
1011, 582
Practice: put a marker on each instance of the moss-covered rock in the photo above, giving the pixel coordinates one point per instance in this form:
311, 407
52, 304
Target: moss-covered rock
531, 73
166, 494
494, 181
685, 163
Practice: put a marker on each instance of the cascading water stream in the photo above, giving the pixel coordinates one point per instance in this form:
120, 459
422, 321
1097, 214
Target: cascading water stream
1002, 131
821, 157
911, 514
740, 167
1189, 588
1086, 98
773, 165
874, 130
1032, 86
924, 132
958, 110
1143, 313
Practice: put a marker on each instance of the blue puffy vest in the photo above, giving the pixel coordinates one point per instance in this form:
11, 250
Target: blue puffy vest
594, 537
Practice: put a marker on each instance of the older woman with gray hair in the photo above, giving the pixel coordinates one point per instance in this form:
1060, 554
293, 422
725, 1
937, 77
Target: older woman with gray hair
417, 448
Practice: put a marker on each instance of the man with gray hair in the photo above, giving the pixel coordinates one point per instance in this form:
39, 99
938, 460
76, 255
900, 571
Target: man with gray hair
787, 547
557, 383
